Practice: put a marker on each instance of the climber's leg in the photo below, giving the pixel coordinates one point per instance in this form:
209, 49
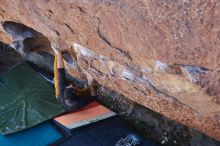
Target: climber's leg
71, 105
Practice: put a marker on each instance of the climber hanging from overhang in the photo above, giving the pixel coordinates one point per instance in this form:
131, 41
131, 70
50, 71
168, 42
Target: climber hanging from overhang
26, 40
67, 94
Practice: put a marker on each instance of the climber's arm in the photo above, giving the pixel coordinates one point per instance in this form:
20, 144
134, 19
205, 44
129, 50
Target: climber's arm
61, 73
60, 63
58, 54
92, 90
90, 81
60, 78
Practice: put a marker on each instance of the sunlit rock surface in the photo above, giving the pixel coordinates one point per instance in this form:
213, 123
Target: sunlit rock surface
164, 55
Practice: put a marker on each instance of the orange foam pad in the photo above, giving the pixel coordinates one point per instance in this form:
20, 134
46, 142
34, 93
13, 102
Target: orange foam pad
90, 111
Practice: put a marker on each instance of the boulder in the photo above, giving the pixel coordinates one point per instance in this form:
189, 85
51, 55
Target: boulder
164, 55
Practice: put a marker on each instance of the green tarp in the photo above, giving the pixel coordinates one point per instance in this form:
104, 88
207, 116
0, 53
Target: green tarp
25, 99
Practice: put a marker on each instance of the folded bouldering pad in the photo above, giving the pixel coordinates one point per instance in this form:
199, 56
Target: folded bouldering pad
40, 135
109, 132
91, 113
26, 99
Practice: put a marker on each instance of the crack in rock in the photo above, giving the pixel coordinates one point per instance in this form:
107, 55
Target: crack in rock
119, 50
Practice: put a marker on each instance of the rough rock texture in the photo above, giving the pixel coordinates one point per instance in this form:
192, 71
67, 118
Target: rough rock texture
164, 55
152, 124
147, 122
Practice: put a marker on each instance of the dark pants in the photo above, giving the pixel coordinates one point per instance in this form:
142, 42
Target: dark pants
67, 104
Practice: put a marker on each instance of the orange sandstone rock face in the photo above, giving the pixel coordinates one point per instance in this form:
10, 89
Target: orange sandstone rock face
164, 55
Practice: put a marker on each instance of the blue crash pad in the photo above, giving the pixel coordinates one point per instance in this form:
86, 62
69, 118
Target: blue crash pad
41, 135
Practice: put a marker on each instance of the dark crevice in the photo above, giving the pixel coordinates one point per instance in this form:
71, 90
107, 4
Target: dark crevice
18, 30
57, 33
138, 89
72, 31
195, 68
125, 53
81, 9
98, 72
50, 11
119, 50
3, 11
103, 38
25, 39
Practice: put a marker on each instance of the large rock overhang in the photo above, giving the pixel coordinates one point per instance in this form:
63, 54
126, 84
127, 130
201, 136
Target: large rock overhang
164, 55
